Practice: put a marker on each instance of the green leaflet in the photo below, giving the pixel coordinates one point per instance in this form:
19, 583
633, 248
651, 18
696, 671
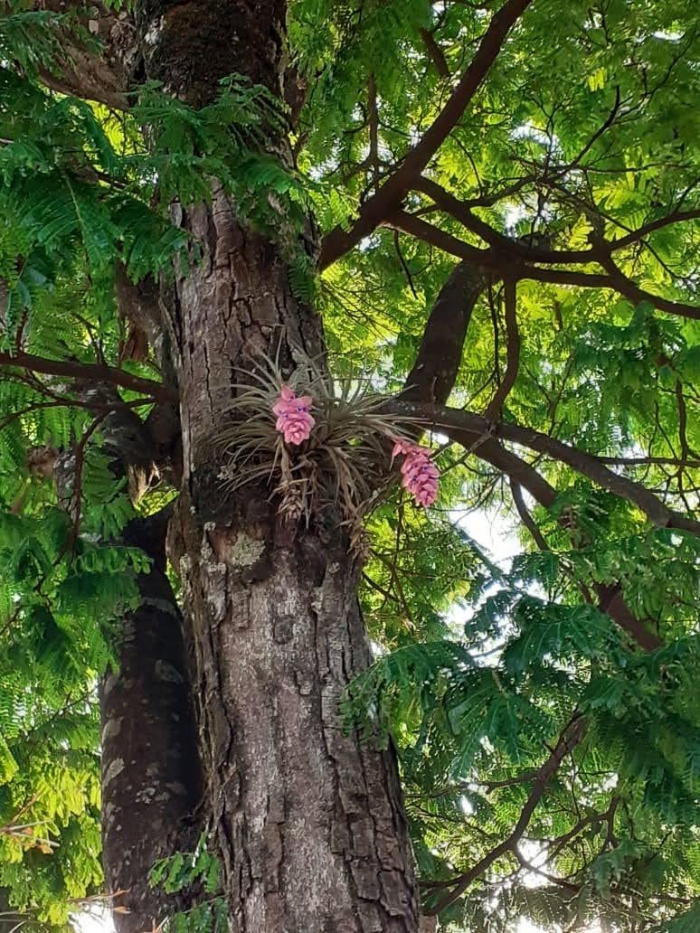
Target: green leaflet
586, 124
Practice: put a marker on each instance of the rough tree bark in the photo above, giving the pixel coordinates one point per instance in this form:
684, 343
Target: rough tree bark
151, 775
309, 823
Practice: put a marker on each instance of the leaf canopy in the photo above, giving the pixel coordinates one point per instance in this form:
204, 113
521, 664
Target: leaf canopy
551, 765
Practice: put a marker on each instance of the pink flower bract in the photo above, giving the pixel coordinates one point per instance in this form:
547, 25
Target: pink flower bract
294, 419
402, 447
419, 475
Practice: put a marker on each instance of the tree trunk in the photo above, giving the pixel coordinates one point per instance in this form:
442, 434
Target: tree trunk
151, 774
309, 823
151, 769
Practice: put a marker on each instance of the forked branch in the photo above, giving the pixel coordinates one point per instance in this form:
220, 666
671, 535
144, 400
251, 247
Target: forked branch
381, 205
571, 736
507, 258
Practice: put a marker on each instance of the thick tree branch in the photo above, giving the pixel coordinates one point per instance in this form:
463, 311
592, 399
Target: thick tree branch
501, 260
477, 435
650, 461
437, 362
381, 205
634, 294
515, 249
422, 230
80, 70
143, 714
462, 211
454, 422
151, 718
87, 371
440, 352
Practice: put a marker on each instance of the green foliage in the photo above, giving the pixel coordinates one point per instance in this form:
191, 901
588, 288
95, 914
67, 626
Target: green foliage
56, 641
32, 37
685, 923
586, 126
184, 871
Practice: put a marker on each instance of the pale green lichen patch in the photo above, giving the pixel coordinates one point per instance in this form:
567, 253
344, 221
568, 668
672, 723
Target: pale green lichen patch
246, 551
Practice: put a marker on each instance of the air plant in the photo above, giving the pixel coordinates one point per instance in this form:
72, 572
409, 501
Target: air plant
312, 461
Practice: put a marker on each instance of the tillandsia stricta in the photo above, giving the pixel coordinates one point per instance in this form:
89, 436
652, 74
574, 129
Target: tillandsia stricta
318, 442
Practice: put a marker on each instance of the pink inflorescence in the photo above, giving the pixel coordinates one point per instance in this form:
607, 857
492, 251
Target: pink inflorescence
293, 415
419, 475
